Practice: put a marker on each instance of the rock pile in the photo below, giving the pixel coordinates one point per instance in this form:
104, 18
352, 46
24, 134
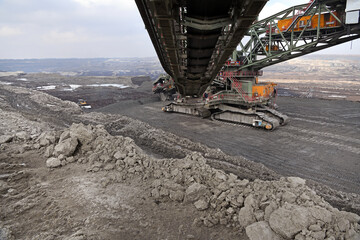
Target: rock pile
16, 103
31, 100
283, 209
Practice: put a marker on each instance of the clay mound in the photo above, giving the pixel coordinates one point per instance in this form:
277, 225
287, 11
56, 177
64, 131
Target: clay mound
26, 99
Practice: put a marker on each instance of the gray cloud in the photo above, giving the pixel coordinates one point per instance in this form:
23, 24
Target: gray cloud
81, 28
70, 28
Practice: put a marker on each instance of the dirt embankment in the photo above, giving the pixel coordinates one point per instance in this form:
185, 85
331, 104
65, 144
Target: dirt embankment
128, 180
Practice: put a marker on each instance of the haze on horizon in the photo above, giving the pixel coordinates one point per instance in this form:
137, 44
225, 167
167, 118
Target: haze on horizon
91, 29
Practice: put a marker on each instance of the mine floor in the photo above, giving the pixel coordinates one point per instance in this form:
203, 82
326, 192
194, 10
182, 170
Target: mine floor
321, 142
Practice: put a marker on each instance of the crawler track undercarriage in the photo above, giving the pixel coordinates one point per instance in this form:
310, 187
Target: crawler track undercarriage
258, 117
235, 99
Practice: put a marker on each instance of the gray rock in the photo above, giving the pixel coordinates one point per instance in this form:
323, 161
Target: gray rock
195, 191
53, 163
83, 133
172, 185
352, 217
250, 201
201, 204
70, 159
243, 183
320, 213
220, 176
67, 147
300, 236
259, 215
246, 216
155, 193
240, 200
163, 191
289, 222
119, 155
130, 161
296, 181
319, 235
36, 146
314, 228
22, 135
65, 135
5, 233
261, 231
352, 235
177, 195
269, 209
223, 186
105, 157
288, 197
343, 224
109, 166
5, 139
47, 138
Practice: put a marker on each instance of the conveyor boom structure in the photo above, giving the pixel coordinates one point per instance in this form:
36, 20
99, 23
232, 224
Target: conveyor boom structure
194, 38
295, 32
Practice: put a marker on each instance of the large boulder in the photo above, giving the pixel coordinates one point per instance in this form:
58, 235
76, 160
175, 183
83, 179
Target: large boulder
290, 220
83, 133
246, 216
261, 231
296, 181
195, 191
66, 147
47, 138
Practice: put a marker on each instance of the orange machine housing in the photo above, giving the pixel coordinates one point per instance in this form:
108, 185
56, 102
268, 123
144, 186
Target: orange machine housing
273, 48
264, 90
326, 21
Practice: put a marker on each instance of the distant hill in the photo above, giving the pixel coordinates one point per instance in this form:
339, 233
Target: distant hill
149, 66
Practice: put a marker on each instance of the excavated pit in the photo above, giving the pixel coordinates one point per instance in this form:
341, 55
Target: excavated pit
86, 176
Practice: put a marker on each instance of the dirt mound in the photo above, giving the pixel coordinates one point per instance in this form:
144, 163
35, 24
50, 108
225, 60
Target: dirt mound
27, 99
118, 177
286, 208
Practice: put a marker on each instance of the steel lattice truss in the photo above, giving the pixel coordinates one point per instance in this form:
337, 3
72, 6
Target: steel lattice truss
268, 44
194, 38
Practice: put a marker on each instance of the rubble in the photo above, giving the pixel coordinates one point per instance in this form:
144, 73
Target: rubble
261, 231
281, 209
271, 208
53, 162
5, 139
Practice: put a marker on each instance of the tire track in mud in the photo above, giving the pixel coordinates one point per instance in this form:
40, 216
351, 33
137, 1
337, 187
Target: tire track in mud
312, 137
326, 134
269, 159
322, 141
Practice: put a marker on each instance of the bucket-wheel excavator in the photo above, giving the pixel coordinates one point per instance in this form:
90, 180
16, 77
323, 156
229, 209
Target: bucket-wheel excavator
194, 39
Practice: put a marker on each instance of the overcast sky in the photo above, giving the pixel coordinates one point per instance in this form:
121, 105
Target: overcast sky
90, 28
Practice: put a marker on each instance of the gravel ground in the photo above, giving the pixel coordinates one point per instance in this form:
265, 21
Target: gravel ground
320, 143
121, 178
